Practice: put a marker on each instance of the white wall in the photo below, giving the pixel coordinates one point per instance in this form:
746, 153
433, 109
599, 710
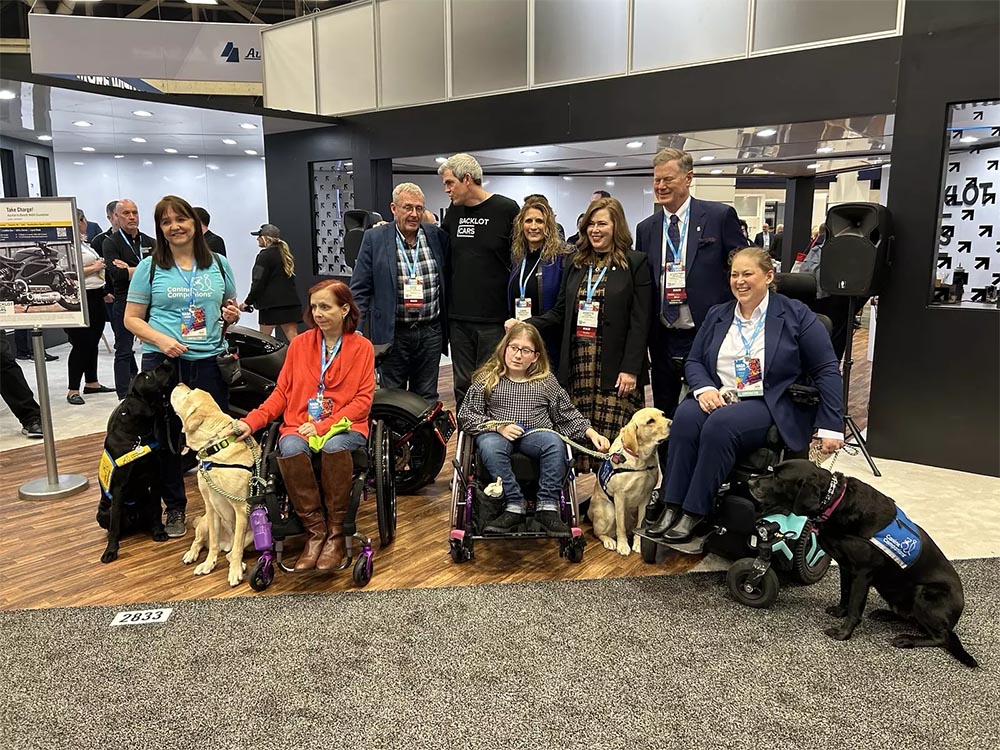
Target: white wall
234, 194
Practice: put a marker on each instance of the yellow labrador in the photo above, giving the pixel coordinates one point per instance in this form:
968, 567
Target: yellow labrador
633, 481
225, 520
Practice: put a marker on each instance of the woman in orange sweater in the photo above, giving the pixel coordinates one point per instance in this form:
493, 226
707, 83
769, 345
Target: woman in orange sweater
324, 394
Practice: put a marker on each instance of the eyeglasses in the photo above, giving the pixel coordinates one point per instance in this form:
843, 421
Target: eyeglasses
411, 209
524, 350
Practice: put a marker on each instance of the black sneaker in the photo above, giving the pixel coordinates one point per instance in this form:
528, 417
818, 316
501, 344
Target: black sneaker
506, 523
32, 429
175, 526
551, 523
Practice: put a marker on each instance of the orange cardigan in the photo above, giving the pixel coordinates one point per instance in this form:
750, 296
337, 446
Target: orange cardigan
350, 382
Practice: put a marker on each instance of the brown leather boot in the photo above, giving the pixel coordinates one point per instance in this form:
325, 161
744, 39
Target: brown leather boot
300, 482
337, 469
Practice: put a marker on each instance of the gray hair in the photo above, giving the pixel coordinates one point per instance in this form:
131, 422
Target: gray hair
406, 187
462, 165
683, 158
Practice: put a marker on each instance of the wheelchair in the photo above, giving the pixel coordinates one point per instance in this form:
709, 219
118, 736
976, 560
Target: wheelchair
472, 509
273, 518
739, 528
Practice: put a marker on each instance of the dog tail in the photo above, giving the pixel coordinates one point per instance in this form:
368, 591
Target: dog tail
956, 649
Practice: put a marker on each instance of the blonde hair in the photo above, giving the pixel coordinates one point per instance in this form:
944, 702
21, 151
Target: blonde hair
552, 246
495, 367
758, 255
287, 261
621, 237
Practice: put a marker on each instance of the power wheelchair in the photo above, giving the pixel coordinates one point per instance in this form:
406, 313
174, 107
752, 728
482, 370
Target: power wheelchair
740, 529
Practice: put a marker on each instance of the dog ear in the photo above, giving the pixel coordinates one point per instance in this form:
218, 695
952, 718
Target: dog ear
630, 440
193, 417
808, 499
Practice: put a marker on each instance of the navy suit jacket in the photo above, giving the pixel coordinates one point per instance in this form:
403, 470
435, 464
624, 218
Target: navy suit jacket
713, 233
797, 348
375, 280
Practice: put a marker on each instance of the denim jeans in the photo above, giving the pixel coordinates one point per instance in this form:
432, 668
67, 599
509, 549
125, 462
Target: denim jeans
291, 445
495, 451
414, 360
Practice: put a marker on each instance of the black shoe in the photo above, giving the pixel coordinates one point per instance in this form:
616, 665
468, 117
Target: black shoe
51, 357
76, 399
551, 523
671, 514
98, 389
25, 357
683, 529
32, 429
506, 523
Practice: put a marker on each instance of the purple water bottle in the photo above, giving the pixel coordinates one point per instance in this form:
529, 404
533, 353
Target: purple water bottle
261, 528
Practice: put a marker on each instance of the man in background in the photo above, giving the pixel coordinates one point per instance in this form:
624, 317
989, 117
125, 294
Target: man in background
764, 237
215, 243
16, 393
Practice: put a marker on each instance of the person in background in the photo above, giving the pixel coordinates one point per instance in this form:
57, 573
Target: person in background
745, 229
175, 302
598, 194
776, 246
272, 289
764, 237
215, 243
430, 218
835, 307
574, 240
16, 393
82, 361
98, 242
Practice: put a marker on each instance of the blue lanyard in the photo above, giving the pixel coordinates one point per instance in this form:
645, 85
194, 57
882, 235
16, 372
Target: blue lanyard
190, 283
128, 242
675, 251
747, 345
410, 263
591, 287
324, 363
524, 284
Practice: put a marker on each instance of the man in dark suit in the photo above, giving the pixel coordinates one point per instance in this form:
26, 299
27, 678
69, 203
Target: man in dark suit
401, 278
215, 243
764, 237
688, 244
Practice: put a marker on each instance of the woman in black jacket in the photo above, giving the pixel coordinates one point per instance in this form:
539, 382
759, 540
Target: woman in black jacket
272, 288
603, 313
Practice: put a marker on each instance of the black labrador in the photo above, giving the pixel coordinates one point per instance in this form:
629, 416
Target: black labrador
129, 473
859, 527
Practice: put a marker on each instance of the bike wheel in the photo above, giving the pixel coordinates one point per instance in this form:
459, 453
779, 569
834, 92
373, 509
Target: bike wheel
419, 459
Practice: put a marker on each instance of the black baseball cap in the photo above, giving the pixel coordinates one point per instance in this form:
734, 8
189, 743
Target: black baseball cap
267, 230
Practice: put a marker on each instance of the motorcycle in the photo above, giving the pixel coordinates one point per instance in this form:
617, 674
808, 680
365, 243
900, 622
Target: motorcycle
32, 278
420, 431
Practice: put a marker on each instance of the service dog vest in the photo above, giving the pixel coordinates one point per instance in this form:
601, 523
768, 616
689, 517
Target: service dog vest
608, 470
108, 465
900, 540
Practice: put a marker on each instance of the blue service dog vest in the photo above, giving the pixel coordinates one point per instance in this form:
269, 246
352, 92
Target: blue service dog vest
900, 540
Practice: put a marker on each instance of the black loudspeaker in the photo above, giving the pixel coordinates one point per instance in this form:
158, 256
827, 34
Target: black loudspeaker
855, 258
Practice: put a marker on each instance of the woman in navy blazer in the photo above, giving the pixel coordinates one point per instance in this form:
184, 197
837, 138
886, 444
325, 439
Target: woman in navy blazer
762, 342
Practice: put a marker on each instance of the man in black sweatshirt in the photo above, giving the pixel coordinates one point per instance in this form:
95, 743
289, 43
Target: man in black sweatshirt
479, 225
122, 250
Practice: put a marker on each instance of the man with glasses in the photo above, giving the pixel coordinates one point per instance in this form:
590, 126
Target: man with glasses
400, 285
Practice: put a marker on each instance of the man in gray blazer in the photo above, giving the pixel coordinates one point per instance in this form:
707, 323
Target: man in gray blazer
400, 285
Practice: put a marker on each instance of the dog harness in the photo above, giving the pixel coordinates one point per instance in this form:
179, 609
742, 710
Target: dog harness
608, 470
107, 467
900, 540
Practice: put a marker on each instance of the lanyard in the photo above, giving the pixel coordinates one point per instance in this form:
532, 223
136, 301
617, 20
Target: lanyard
190, 283
324, 363
409, 262
682, 230
524, 284
591, 287
756, 331
128, 242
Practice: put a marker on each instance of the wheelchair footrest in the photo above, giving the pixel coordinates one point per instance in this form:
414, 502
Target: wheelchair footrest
693, 546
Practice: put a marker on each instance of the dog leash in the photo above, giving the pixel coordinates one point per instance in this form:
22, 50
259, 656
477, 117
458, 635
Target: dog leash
257, 482
617, 458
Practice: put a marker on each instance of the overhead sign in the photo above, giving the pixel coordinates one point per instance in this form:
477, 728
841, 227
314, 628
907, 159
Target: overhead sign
130, 48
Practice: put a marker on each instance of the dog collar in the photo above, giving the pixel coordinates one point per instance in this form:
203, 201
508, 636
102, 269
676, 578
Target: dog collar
216, 447
828, 506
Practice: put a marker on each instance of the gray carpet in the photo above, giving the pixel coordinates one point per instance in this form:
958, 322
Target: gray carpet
551, 665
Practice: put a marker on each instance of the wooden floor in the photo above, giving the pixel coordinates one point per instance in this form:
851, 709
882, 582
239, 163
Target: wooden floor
53, 548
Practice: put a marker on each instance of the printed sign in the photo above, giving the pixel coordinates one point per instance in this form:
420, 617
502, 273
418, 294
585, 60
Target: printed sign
142, 617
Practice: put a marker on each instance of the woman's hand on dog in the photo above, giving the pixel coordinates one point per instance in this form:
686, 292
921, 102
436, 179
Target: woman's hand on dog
511, 431
170, 346
241, 430
307, 429
600, 442
710, 400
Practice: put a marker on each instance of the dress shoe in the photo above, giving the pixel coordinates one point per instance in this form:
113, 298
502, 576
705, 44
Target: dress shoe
76, 399
683, 529
669, 516
98, 389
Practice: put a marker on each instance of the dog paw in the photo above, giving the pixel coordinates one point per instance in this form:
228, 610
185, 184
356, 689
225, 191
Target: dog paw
623, 549
110, 555
637, 546
836, 610
904, 640
160, 535
610, 544
234, 577
189, 557
204, 569
839, 634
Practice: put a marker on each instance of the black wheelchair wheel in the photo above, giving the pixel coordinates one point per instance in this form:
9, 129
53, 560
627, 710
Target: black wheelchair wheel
261, 574
460, 552
385, 485
574, 549
362, 571
419, 459
806, 566
648, 549
760, 596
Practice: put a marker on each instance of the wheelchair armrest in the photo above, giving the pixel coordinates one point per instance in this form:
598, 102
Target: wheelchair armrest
804, 395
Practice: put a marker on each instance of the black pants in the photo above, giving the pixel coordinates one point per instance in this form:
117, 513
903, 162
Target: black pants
14, 388
471, 344
414, 360
835, 308
666, 347
22, 343
125, 365
83, 356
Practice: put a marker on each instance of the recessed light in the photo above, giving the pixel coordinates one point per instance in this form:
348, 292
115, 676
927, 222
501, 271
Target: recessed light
138, 140
249, 152
192, 156
707, 158
142, 113
119, 156
633, 144
248, 126
202, 2
213, 167
78, 163
45, 137
170, 150
351, 171
147, 163
83, 124
611, 164
824, 150
814, 165
756, 166
716, 171
528, 170
5, 94
968, 139
882, 146
529, 153
229, 141
647, 191
349, 165
568, 179
440, 160
609, 183
88, 148
766, 132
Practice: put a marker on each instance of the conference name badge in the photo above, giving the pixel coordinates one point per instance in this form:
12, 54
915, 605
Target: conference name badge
749, 377
522, 308
413, 292
675, 292
194, 324
586, 319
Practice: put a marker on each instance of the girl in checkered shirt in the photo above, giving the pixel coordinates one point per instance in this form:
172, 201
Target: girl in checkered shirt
513, 393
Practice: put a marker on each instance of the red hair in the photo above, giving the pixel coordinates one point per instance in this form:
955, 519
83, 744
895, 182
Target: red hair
341, 293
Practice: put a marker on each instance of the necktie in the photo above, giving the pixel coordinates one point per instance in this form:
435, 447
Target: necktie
671, 312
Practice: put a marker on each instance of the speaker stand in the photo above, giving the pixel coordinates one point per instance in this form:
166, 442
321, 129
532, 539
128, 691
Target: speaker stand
849, 423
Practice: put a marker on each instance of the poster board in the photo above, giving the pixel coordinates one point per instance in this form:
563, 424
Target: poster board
40, 264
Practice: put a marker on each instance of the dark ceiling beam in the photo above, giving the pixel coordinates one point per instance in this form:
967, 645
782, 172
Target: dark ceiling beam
143, 9
236, 7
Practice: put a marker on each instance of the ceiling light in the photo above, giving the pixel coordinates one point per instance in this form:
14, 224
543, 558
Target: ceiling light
78, 163
229, 141
528, 170
213, 167
716, 171
142, 113
45, 137
609, 183
348, 165
707, 158
119, 156
529, 153
568, 179
202, 2
170, 150
766, 132
440, 160
814, 165
611, 164
756, 166
248, 126
88, 148
249, 152
968, 139
147, 163
192, 156
83, 124
138, 140
882, 146
633, 144
5, 94
349, 172
647, 191
824, 150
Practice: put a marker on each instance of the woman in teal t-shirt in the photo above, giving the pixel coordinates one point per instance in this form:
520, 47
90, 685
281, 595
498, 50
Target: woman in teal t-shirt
186, 289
